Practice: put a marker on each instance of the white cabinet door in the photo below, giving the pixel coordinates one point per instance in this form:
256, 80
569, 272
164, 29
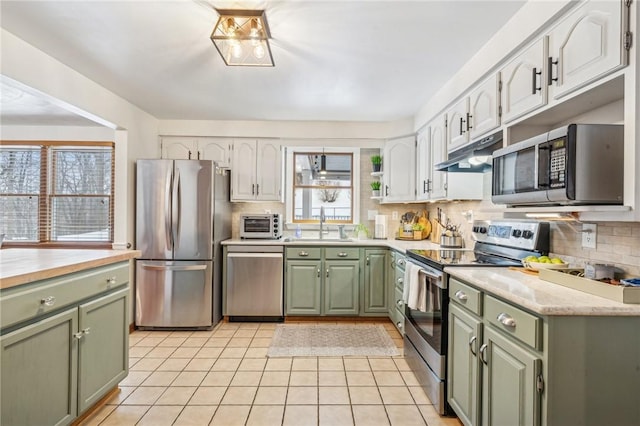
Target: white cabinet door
438, 184
179, 148
457, 133
216, 149
268, 171
399, 165
424, 164
484, 102
243, 171
587, 45
524, 82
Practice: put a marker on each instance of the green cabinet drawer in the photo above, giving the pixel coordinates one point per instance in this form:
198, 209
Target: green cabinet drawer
304, 252
397, 299
465, 295
28, 301
514, 321
397, 318
342, 253
400, 262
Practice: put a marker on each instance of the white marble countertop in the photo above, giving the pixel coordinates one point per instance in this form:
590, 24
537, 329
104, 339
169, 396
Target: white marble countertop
399, 245
539, 296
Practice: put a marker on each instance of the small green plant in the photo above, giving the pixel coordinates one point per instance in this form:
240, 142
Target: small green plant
375, 185
376, 159
361, 228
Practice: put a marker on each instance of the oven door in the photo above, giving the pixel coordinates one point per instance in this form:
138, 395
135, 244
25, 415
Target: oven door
430, 320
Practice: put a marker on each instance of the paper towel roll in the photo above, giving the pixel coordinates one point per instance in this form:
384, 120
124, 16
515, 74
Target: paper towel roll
380, 226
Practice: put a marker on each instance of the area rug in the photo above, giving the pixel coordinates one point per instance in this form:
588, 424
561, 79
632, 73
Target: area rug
331, 340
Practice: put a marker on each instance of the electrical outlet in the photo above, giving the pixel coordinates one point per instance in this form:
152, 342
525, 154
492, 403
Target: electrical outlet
589, 235
394, 215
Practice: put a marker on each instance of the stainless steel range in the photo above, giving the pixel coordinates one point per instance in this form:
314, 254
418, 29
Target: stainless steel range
498, 243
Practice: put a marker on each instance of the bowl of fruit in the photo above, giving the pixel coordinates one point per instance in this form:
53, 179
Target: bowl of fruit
543, 262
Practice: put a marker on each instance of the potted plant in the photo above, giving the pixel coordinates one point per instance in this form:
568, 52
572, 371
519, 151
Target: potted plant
376, 160
375, 187
361, 231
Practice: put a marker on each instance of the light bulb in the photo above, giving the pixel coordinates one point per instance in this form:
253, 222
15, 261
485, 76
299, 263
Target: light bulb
236, 50
255, 28
258, 51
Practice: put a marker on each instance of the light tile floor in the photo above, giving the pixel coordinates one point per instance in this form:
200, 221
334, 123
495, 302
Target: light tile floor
223, 377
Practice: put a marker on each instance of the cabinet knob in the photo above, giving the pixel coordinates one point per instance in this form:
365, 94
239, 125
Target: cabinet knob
506, 320
399, 324
78, 335
399, 303
303, 253
400, 280
327, 272
48, 301
367, 260
344, 254
401, 262
318, 272
111, 281
461, 296
86, 331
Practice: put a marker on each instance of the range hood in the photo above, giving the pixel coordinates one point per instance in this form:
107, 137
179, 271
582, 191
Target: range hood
473, 158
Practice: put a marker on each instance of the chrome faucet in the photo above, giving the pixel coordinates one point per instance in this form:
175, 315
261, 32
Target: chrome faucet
323, 218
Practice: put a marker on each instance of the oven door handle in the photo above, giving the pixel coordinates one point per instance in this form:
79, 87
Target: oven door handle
437, 279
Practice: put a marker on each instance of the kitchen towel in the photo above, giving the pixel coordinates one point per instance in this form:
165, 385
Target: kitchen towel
411, 291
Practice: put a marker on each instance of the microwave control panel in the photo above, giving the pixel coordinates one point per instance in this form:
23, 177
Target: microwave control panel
557, 164
520, 234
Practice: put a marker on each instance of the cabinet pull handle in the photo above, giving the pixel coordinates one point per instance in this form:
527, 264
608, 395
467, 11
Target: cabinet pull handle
189, 154
386, 190
344, 254
469, 117
327, 272
367, 260
111, 281
318, 272
86, 331
78, 335
424, 187
472, 345
534, 78
483, 350
461, 123
253, 189
506, 320
198, 155
48, 301
461, 296
303, 253
550, 64
257, 189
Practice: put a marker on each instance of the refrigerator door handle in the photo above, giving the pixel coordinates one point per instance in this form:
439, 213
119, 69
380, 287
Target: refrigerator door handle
168, 189
176, 206
174, 268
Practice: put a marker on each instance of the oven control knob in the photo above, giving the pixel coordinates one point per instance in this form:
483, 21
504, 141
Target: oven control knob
527, 234
476, 228
517, 233
482, 230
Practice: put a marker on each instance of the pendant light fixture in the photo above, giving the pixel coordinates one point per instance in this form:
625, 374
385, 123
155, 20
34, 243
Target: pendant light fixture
242, 38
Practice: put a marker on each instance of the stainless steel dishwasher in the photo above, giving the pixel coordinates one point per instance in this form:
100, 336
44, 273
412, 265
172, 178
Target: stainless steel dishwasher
254, 285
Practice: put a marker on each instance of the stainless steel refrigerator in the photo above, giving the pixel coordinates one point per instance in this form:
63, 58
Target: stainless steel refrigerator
182, 214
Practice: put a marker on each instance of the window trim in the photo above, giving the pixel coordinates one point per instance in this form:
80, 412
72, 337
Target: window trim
289, 179
44, 205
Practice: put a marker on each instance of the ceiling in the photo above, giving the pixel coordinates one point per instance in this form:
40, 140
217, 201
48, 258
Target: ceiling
335, 60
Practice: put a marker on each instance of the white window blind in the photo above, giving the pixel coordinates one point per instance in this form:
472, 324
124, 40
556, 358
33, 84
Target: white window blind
57, 193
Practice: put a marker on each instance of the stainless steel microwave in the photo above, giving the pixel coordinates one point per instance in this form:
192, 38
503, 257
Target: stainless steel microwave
571, 165
261, 226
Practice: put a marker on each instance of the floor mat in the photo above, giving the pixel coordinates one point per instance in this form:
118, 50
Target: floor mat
331, 340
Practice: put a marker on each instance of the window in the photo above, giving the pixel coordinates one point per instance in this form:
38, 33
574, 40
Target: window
57, 192
312, 187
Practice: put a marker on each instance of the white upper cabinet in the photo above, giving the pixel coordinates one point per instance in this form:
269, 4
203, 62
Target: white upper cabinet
475, 114
186, 148
524, 86
256, 171
430, 150
484, 107
585, 46
399, 170
457, 129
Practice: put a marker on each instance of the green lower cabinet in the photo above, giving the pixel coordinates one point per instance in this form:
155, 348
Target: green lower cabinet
39, 372
103, 350
376, 290
463, 392
509, 394
303, 287
342, 282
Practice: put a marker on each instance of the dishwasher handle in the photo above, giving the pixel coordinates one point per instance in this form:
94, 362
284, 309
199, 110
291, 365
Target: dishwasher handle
254, 255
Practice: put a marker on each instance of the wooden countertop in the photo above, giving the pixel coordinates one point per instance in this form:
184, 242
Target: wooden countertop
21, 266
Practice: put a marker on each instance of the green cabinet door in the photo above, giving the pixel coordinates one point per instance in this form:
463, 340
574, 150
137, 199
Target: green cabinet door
391, 281
341, 285
463, 392
39, 372
303, 285
509, 392
376, 294
103, 349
